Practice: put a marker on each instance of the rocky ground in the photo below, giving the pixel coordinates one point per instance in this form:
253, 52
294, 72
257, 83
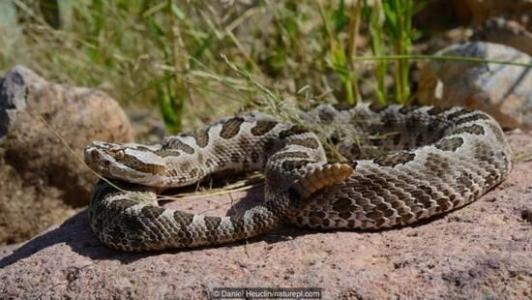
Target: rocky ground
482, 251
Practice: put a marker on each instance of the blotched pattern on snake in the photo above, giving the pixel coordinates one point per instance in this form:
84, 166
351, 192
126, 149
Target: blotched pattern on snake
415, 162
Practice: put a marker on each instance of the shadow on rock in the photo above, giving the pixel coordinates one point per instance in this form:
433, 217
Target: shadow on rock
76, 233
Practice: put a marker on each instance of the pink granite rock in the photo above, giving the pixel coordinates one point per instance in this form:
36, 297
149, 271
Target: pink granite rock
44, 127
482, 251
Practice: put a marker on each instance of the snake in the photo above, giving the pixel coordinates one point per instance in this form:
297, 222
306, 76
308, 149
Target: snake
396, 165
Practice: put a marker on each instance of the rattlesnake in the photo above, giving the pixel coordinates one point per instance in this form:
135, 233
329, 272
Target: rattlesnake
433, 160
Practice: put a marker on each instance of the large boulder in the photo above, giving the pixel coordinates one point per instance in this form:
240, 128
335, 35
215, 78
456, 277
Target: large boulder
502, 90
44, 127
481, 251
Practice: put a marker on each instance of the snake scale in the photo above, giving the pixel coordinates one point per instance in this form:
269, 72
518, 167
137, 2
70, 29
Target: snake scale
416, 162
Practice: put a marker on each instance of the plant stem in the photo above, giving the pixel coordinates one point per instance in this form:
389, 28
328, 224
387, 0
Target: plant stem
179, 63
403, 47
353, 30
440, 58
376, 22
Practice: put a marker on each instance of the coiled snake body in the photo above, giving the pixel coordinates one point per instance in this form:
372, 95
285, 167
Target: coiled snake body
431, 161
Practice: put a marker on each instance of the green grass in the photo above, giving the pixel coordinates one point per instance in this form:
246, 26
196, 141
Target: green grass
197, 60
188, 58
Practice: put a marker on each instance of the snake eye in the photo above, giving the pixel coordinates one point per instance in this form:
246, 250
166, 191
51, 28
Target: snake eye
120, 154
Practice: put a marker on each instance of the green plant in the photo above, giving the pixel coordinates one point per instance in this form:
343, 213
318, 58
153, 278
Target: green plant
171, 88
390, 21
197, 60
340, 51
375, 17
398, 25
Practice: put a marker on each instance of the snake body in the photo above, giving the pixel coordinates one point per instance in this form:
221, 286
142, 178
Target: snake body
415, 163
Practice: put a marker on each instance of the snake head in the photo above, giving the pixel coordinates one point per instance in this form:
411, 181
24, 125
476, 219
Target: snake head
130, 162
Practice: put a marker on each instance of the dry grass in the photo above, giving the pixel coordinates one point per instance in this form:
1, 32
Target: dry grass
199, 59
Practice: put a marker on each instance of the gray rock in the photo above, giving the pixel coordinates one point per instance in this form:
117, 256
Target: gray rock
43, 129
12, 97
504, 91
481, 251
